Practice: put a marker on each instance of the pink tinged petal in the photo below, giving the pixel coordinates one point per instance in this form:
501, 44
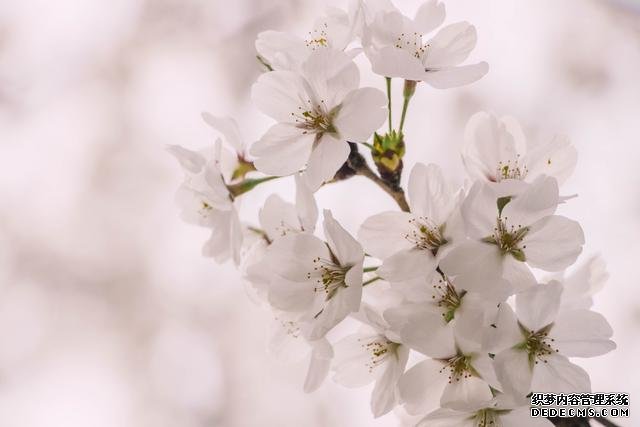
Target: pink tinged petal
421, 387
408, 264
504, 331
537, 201
382, 235
553, 243
361, 113
450, 46
464, 392
319, 365
447, 78
306, 206
278, 94
581, 333
513, 371
283, 150
429, 16
559, 375
393, 62
272, 44
429, 194
277, 217
538, 306
228, 128
488, 141
557, 158
331, 74
480, 210
328, 155
191, 161
384, 396
346, 249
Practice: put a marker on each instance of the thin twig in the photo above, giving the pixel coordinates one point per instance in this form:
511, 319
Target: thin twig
605, 422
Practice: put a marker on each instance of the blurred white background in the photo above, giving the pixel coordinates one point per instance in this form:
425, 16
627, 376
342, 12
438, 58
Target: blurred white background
110, 317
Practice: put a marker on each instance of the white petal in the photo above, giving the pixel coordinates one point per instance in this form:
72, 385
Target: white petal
346, 249
362, 112
408, 264
384, 396
553, 243
445, 417
283, 150
332, 74
436, 341
382, 234
353, 359
393, 62
326, 158
518, 274
451, 45
429, 16
191, 161
537, 201
271, 45
228, 128
218, 246
292, 256
464, 392
473, 258
504, 331
557, 158
538, 306
513, 371
429, 194
277, 217
583, 283
447, 78
421, 387
521, 417
480, 210
321, 356
582, 333
559, 375
278, 94
306, 206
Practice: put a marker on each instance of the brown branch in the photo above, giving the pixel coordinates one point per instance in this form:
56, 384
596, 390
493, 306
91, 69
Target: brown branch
359, 166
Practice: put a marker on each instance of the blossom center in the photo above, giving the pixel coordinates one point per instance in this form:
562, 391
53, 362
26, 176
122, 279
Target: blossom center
515, 169
508, 238
487, 418
329, 276
426, 235
537, 344
314, 119
412, 43
318, 38
447, 298
458, 367
379, 349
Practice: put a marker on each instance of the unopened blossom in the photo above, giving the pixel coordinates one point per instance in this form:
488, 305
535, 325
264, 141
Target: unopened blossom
320, 280
532, 349
205, 200
459, 371
373, 354
397, 46
285, 51
506, 235
318, 110
496, 150
412, 243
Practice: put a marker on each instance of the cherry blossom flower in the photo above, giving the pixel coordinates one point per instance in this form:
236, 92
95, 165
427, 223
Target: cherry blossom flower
507, 234
205, 201
372, 354
284, 51
411, 243
394, 44
318, 110
322, 281
532, 351
496, 150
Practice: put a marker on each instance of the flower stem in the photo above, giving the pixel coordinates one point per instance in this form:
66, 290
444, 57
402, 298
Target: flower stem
248, 185
407, 93
388, 79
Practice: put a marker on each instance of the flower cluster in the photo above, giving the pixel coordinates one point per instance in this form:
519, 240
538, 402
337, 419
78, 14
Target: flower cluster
471, 289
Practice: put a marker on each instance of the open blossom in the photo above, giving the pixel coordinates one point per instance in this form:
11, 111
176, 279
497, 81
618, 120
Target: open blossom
395, 46
284, 51
581, 284
458, 373
496, 150
533, 350
507, 234
372, 354
321, 281
411, 243
205, 201
318, 110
